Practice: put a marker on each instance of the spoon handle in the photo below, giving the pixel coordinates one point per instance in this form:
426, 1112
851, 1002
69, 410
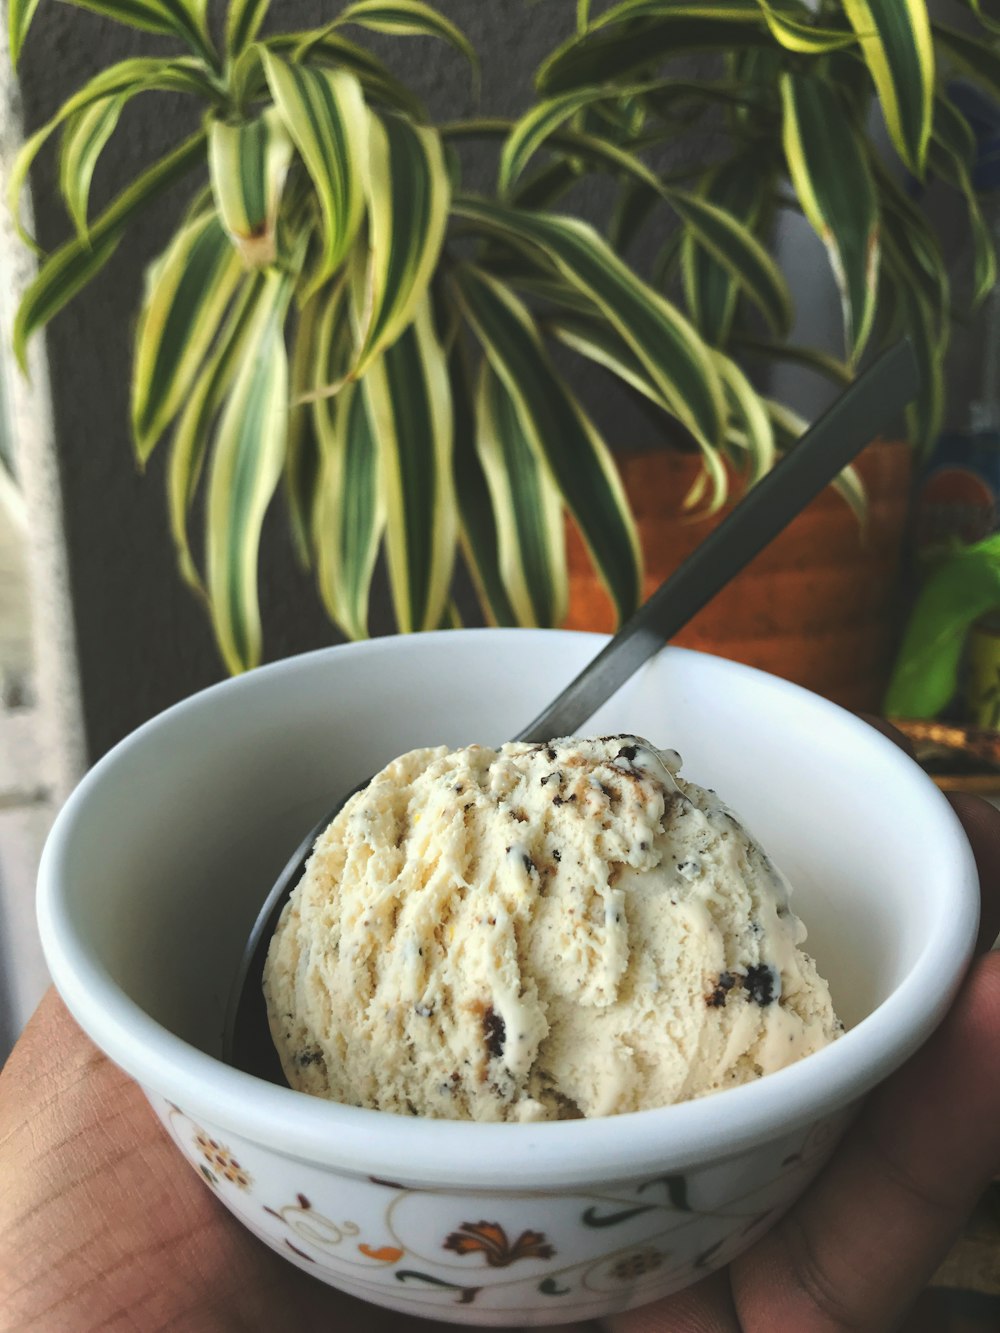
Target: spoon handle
854, 419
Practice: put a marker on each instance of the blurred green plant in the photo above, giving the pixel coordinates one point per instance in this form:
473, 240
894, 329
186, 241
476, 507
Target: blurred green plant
795, 91
336, 317
963, 585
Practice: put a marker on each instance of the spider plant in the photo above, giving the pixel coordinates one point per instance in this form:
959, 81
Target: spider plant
336, 318
795, 88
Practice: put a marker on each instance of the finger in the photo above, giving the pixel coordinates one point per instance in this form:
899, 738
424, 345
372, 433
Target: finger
981, 822
706, 1307
854, 1253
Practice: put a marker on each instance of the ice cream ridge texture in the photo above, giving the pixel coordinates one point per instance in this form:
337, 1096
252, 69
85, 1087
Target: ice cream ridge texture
538, 932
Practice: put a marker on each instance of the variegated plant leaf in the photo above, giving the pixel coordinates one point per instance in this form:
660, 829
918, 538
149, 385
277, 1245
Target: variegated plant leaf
809, 358
829, 169
349, 512
739, 187
591, 336
748, 414
124, 79
408, 199
325, 114
408, 401
83, 139
618, 50
895, 37
532, 130
72, 266
193, 432
243, 20
478, 533
665, 342
302, 460
734, 246
185, 19
189, 293
527, 507
801, 36
247, 458
411, 18
558, 430
247, 164
331, 50
19, 16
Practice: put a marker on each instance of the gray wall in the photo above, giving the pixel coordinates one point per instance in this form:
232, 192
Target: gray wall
143, 641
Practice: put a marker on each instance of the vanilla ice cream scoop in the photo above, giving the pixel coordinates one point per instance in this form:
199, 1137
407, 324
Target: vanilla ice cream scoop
538, 932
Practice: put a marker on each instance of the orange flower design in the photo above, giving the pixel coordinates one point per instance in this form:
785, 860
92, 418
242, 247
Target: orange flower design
386, 1254
490, 1240
220, 1162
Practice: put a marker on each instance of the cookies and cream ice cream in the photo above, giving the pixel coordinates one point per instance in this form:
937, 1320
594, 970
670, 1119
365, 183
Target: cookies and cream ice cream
538, 932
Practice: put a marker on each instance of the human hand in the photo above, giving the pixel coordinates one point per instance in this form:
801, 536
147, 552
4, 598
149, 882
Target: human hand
100, 1228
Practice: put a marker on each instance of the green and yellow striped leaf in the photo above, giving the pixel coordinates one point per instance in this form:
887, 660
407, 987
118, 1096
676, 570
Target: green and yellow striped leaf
732, 245
189, 293
185, 19
559, 431
126, 79
410, 18
83, 139
527, 507
750, 425
193, 432
243, 20
896, 40
666, 344
349, 513
19, 16
409, 193
532, 129
302, 460
592, 337
739, 187
831, 367
325, 114
478, 534
805, 38
72, 266
408, 401
613, 51
247, 165
246, 466
832, 179
331, 50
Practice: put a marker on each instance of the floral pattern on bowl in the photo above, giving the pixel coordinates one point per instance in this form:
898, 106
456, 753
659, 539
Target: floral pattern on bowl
479, 1257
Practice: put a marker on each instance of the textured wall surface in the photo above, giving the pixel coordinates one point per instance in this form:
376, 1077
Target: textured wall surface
143, 641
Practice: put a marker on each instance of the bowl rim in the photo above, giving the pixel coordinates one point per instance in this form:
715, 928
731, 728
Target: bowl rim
444, 1154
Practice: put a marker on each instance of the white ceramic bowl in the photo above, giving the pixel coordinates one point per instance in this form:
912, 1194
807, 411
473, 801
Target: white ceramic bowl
156, 866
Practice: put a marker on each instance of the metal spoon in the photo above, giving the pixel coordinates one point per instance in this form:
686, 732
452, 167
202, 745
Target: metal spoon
854, 418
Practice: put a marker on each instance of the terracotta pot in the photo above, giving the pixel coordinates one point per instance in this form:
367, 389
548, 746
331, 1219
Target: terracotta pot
816, 606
